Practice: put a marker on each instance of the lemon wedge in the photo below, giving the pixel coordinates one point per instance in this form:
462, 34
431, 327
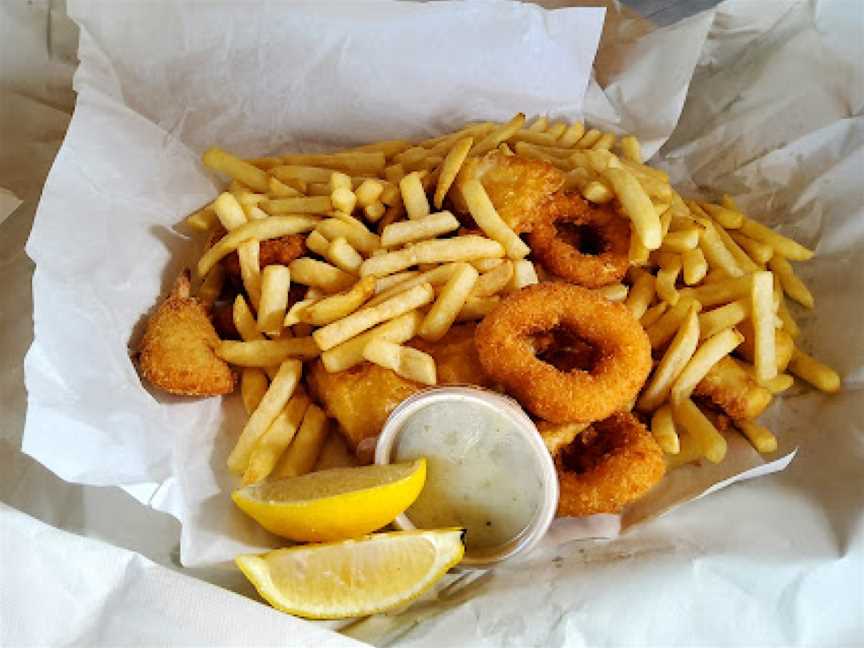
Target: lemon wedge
353, 577
333, 504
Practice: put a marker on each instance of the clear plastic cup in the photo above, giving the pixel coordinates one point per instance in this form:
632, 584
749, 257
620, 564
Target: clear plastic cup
534, 451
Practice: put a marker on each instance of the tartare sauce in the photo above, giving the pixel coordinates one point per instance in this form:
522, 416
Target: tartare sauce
481, 473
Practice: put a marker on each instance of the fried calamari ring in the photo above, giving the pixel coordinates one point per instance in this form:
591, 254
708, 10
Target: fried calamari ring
620, 359
610, 464
581, 243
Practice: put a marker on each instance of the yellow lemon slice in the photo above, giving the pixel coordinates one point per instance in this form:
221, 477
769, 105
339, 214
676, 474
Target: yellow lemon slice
333, 504
353, 577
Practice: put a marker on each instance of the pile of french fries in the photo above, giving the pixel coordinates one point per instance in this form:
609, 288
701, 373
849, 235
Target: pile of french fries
705, 279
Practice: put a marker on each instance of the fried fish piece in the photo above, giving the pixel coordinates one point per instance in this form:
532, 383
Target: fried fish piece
281, 251
519, 188
734, 390
361, 398
177, 351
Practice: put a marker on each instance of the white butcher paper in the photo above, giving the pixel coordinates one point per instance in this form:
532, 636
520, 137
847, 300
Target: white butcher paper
762, 100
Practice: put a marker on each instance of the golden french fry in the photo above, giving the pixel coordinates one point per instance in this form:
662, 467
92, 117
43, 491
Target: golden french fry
695, 266
317, 243
782, 245
725, 217
524, 274
691, 418
300, 457
343, 256
356, 163
572, 135
661, 331
492, 281
761, 253
266, 353
742, 259
277, 395
636, 205
229, 211
605, 143
789, 323
638, 253
343, 198
531, 137
485, 265
211, 287
666, 278
716, 252
412, 231
641, 294
250, 271
451, 300
275, 282
407, 362
450, 168
339, 180
330, 309
717, 319
653, 314
722, 291
779, 383
814, 372
375, 211
305, 205
681, 241
414, 196
613, 292
276, 439
219, 160
365, 318
300, 172
500, 134
706, 356
253, 386
311, 272
539, 125
360, 238
369, 192
278, 189
202, 220
244, 321
388, 147
631, 149
556, 130
762, 314
270, 228
792, 285
663, 430
758, 435
490, 222
383, 284
589, 139
255, 213
350, 353
784, 345
460, 248
476, 308
436, 276
674, 360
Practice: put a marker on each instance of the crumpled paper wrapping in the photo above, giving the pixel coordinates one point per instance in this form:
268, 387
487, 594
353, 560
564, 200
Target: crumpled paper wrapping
803, 170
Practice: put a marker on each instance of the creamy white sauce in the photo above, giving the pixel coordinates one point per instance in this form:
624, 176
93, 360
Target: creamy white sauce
481, 472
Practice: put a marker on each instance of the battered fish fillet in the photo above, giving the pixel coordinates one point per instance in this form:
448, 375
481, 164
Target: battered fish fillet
177, 351
519, 188
361, 398
281, 251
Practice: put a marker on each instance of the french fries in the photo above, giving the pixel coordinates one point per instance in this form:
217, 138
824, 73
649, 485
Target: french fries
821, 376
493, 281
275, 281
637, 205
343, 256
450, 169
281, 389
694, 265
713, 444
266, 353
311, 272
421, 229
716, 320
490, 222
330, 309
409, 363
329, 336
663, 430
269, 228
758, 435
253, 386
706, 356
210, 288
792, 285
414, 196
450, 302
300, 457
641, 294
276, 439
782, 245
218, 160
675, 359
460, 248
349, 354
762, 314
229, 211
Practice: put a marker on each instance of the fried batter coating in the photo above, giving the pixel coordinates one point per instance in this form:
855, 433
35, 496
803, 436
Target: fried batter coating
177, 351
734, 390
281, 251
518, 187
361, 398
607, 466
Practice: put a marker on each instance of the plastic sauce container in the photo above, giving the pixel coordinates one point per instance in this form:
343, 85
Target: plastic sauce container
488, 470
